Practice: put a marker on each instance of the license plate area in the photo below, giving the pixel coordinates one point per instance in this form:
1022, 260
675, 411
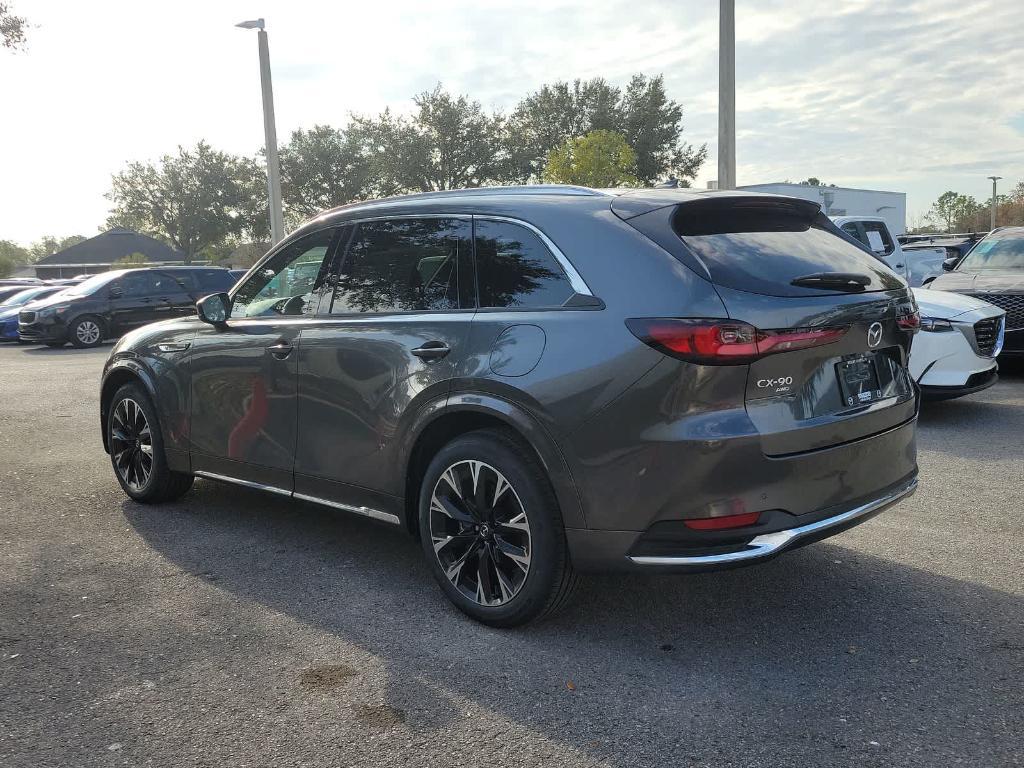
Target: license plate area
858, 380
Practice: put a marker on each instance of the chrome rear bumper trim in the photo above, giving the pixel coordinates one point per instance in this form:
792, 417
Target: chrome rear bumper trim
770, 543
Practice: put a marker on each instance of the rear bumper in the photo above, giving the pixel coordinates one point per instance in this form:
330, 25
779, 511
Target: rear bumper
613, 550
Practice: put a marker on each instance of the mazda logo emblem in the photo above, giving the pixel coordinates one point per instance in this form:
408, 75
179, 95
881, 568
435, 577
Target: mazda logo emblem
874, 334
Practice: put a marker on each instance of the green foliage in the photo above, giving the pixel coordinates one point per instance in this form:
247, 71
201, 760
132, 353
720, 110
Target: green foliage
643, 114
954, 212
600, 159
194, 199
132, 259
449, 142
12, 256
323, 168
48, 245
12, 28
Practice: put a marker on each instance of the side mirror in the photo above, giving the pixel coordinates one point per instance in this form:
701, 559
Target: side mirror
948, 265
213, 309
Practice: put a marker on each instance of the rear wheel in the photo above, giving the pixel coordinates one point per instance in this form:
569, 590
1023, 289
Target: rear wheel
137, 449
492, 531
86, 332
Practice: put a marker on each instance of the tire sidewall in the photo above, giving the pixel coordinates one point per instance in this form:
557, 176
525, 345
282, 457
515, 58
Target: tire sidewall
73, 332
547, 536
136, 393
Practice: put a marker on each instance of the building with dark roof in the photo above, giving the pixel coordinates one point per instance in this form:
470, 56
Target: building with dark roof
100, 253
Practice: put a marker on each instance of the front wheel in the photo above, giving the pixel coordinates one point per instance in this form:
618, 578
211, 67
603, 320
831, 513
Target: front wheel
86, 332
492, 531
137, 449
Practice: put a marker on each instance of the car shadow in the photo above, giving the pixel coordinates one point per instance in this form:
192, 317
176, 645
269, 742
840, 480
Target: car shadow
825, 649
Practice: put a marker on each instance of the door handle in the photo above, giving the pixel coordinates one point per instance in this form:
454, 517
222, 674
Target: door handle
280, 350
432, 350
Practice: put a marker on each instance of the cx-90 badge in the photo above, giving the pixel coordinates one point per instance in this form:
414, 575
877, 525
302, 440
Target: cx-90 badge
874, 334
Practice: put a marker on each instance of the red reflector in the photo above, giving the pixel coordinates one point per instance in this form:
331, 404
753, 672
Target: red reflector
725, 342
721, 523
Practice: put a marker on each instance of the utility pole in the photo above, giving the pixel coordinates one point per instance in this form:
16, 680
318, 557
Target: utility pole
994, 180
270, 131
727, 94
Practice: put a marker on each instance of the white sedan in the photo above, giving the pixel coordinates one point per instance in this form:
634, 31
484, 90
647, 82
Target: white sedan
955, 352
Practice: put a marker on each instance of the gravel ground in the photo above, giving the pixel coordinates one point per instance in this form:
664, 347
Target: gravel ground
237, 629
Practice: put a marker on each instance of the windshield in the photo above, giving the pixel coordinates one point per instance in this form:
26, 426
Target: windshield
28, 295
89, 285
999, 251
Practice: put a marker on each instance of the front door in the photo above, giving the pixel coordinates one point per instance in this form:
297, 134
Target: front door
386, 344
244, 373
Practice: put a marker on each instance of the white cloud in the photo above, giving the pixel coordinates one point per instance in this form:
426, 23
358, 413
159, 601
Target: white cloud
915, 96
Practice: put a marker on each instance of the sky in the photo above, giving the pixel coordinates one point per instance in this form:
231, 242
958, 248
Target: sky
918, 96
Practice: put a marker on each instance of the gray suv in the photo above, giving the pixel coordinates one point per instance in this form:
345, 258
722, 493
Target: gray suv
538, 381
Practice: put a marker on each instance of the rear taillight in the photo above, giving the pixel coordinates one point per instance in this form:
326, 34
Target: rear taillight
724, 342
909, 321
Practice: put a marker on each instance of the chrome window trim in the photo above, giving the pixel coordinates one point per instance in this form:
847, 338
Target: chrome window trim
770, 543
575, 279
376, 514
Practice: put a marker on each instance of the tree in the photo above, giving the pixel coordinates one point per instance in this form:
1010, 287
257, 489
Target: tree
196, 199
955, 212
599, 159
643, 114
48, 245
12, 256
12, 28
135, 259
449, 142
323, 168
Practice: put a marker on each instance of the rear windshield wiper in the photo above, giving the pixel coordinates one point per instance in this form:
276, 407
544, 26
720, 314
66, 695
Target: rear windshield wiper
842, 281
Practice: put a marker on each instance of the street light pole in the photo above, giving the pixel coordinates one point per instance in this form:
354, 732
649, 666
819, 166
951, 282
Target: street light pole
994, 180
727, 94
270, 130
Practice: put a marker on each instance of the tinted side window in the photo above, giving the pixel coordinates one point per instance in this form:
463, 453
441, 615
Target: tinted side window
214, 280
289, 283
179, 281
402, 265
516, 269
141, 283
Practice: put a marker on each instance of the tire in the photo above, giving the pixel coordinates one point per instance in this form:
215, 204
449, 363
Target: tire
512, 515
86, 332
131, 423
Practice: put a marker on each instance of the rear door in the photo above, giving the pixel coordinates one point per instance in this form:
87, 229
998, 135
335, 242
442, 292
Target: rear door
782, 267
385, 344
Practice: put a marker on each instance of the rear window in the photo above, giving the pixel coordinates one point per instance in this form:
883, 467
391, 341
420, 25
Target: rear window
761, 246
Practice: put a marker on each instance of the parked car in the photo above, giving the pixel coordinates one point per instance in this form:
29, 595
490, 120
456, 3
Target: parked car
237, 274
993, 270
955, 245
955, 352
12, 305
12, 289
109, 304
541, 380
917, 266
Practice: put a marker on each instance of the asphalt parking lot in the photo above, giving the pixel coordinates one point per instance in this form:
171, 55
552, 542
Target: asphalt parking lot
236, 629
